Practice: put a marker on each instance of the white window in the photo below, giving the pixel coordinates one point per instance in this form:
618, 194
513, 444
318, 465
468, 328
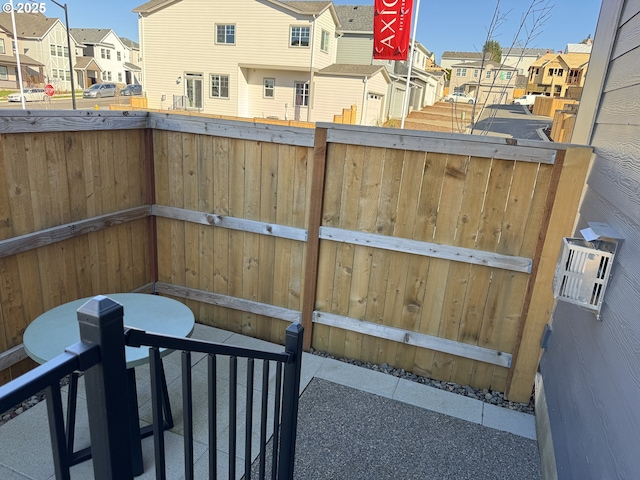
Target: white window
59, 50
269, 88
67, 75
509, 74
226, 34
488, 74
109, 76
119, 56
105, 53
220, 86
54, 73
324, 41
302, 94
120, 76
53, 50
461, 72
476, 72
299, 36
1, 46
4, 72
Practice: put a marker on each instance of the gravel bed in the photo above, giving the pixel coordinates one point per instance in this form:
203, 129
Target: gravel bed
485, 395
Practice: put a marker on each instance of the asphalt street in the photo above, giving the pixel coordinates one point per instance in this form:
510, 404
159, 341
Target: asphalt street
66, 104
510, 121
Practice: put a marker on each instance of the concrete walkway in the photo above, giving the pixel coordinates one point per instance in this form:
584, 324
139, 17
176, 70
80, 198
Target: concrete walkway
336, 394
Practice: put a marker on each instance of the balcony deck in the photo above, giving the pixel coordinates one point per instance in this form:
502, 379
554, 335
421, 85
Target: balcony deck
353, 423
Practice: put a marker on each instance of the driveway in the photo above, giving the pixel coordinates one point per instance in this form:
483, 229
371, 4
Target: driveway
510, 121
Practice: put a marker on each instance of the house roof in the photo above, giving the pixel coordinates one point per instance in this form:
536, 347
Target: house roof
130, 43
355, 18
354, 70
526, 52
32, 25
487, 63
543, 60
308, 8
83, 62
132, 67
578, 48
575, 60
90, 36
151, 5
465, 55
24, 60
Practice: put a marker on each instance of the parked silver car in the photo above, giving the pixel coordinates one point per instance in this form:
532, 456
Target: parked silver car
101, 90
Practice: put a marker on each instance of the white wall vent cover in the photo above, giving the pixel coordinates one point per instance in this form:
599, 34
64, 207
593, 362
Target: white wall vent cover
583, 271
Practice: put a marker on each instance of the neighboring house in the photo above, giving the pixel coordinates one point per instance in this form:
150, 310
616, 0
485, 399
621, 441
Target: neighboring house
552, 74
493, 82
522, 58
591, 366
355, 45
133, 71
282, 72
109, 52
32, 70
43, 40
88, 72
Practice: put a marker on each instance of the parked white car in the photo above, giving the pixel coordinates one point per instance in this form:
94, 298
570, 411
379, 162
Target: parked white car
30, 95
525, 100
459, 97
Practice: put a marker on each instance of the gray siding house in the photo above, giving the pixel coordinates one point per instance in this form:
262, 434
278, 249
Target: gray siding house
591, 368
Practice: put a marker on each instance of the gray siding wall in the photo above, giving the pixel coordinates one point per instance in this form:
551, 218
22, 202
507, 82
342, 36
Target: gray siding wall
592, 368
355, 49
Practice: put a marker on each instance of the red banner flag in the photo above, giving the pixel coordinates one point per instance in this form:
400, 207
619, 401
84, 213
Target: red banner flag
391, 29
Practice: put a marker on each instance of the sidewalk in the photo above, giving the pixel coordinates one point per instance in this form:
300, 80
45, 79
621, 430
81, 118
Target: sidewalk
354, 423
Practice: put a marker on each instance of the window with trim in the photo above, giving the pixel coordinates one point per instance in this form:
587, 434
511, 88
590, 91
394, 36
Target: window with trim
302, 94
508, 75
461, 72
299, 36
59, 50
269, 88
119, 56
53, 50
66, 51
220, 86
4, 72
120, 76
67, 75
488, 75
1, 46
476, 73
324, 41
226, 34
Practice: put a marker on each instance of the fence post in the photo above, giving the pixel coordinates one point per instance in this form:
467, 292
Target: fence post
101, 323
290, 394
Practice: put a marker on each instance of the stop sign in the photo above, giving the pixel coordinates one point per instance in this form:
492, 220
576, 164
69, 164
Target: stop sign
49, 91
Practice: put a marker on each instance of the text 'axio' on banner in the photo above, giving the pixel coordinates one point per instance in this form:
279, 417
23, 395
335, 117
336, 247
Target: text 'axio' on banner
391, 29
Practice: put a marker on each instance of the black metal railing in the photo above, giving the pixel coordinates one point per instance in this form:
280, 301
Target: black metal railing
113, 415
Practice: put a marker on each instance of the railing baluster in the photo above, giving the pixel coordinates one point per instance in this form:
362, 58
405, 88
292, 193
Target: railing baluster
249, 420
276, 422
187, 414
72, 399
213, 416
233, 385
61, 460
158, 419
263, 417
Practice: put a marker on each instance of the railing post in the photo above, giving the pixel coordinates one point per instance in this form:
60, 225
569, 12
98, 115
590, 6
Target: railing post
101, 323
290, 394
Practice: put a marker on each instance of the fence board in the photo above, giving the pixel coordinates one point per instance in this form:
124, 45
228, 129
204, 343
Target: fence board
236, 239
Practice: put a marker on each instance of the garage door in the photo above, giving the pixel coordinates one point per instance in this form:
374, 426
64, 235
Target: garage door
374, 109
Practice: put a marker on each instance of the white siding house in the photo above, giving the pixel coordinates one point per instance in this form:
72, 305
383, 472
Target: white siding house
107, 49
247, 58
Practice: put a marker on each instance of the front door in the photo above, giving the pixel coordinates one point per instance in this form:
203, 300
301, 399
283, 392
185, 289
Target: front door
193, 90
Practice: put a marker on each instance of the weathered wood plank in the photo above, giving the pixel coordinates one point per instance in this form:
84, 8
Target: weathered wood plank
448, 143
12, 356
236, 238
445, 252
29, 121
413, 338
232, 223
52, 235
257, 132
243, 305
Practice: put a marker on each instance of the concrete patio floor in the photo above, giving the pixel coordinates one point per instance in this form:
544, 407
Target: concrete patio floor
351, 396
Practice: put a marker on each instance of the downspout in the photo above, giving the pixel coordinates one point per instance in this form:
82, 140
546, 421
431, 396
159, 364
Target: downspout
364, 100
313, 42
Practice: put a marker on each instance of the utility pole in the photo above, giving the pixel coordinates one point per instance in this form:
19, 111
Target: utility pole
71, 54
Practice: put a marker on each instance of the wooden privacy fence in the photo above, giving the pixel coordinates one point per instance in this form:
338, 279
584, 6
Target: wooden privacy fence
431, 252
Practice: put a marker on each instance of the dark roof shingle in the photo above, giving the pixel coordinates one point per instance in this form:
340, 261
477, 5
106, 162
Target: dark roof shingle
32, 25
355, 18
90, 36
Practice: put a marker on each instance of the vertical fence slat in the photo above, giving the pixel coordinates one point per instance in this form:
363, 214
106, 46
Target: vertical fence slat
233, 386
156, 408
187, 414
61, 458
263, 418
212, 414
249, 420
